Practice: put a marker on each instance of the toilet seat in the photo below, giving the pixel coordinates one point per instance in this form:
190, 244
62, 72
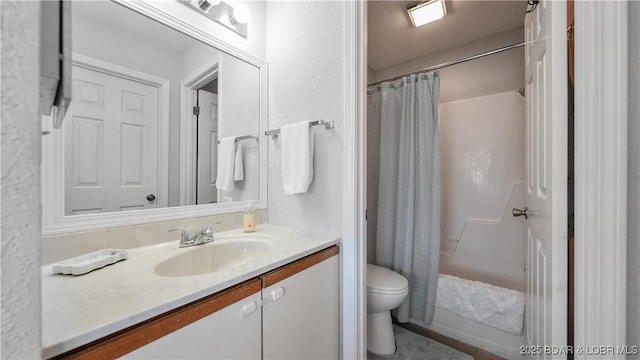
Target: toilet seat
384, 281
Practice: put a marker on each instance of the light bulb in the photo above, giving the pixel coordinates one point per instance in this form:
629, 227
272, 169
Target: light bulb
240, 14
206, 5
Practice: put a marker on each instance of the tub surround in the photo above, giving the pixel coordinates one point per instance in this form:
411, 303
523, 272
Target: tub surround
473, 333
81, 309
482, 180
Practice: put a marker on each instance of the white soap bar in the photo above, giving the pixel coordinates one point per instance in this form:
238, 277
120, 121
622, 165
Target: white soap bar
88, 262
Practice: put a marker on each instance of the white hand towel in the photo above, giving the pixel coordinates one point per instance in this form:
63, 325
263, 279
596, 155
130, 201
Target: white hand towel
238, 168
226, 162
297, 157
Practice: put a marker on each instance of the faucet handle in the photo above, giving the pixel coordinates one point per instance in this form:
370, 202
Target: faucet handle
209, 228
185, 236
207, 233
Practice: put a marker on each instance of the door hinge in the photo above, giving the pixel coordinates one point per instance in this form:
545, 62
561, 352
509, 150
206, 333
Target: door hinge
196, 110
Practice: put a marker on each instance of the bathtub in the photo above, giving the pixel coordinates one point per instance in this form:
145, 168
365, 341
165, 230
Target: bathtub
486, 316
483, 162
479, 335
475, 257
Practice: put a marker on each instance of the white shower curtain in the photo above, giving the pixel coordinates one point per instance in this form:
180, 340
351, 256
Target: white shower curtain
408, 230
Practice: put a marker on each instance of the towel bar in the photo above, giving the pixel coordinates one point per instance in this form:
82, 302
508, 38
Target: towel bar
327, 125
244, 137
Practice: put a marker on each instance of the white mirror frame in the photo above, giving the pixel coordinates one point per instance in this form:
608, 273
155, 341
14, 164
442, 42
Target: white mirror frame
54, 222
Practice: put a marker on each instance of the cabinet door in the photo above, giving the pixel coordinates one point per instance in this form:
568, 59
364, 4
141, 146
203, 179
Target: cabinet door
300, 314
230, 333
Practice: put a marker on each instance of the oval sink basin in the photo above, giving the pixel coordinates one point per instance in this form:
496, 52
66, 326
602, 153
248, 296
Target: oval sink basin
216, 256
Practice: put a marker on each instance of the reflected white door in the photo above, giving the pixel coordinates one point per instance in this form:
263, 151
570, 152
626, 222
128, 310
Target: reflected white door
546, 168
111, 140
207, 147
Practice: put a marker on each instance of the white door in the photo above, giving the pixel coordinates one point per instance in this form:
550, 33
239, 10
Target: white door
207, 147
546, 169
111, 140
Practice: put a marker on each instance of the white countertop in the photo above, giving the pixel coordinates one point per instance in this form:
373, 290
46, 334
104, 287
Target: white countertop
79, 309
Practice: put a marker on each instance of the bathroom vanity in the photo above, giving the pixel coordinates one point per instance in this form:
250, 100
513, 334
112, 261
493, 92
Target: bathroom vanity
270, 294
281, 303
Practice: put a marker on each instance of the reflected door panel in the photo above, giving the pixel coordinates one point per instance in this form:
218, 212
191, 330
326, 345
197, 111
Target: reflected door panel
110, 144
207, 147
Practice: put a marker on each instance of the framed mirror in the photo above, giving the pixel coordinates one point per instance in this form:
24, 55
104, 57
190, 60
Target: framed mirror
164, 123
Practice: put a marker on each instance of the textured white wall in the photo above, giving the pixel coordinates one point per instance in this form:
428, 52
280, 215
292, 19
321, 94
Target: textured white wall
633, 231
20, 184
305, 54
489, 75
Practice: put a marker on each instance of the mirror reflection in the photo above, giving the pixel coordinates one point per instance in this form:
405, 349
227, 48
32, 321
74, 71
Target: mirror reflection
157, 118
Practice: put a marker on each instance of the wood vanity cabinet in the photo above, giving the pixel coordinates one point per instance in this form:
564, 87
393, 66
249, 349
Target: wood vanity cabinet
232, 332
289, 313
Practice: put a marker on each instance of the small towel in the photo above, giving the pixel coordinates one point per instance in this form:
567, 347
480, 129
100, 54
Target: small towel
238, 167
226, 163
297, 157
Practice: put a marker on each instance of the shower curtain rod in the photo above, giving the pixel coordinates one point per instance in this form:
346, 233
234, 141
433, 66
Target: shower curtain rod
455, 62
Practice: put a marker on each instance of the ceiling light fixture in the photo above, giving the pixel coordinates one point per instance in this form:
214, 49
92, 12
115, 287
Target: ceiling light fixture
426, 12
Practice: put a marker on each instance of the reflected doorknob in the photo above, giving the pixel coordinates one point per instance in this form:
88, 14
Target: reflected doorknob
520, 212
151, 197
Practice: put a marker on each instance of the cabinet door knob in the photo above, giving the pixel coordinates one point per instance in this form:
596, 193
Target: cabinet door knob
249, 308
276, 294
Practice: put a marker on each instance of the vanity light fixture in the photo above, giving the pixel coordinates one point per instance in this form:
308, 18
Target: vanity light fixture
426, 11
228, 13
206, 5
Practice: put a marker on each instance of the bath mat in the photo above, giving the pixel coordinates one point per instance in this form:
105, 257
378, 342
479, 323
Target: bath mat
412, 346
487, 304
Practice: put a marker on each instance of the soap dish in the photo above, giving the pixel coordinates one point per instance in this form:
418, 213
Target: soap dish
83, 264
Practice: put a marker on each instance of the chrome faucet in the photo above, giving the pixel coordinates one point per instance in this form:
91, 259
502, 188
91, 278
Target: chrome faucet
191, 238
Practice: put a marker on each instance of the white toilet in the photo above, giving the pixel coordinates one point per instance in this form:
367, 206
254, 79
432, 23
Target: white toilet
385, 291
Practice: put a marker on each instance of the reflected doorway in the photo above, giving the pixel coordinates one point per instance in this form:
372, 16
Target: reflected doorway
207, 146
